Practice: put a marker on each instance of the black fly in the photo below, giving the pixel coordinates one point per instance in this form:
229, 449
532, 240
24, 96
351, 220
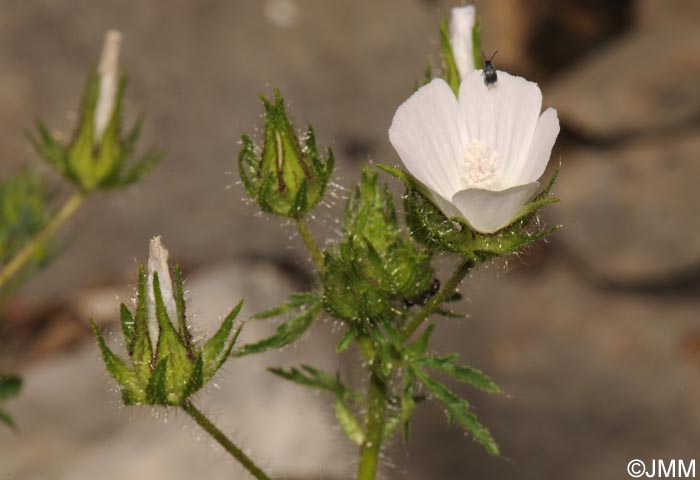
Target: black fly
490, 75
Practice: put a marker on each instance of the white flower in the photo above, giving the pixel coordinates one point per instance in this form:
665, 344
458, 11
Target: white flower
158, 263
480, 155
109, 82
462, 21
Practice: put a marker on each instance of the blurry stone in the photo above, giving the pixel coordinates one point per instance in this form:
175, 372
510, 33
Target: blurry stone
579, 27
74, 427
591, 381
631, 214
645, 81
653, 12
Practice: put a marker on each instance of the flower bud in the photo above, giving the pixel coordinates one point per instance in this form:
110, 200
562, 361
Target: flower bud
462, 24
98, 155
375, 265
164, 366
286, 176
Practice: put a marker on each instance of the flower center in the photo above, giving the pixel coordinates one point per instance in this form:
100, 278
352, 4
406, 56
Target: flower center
480, 168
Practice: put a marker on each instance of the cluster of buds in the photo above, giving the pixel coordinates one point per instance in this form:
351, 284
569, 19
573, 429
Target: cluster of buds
164, 366
374, 265
287, 176
99, 156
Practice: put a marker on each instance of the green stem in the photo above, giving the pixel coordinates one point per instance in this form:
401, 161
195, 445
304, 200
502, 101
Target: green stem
436, 300
25, 254
374, 428
310, 243
224, 441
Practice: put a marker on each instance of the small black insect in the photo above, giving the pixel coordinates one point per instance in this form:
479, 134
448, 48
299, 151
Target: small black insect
423, 297
490, 75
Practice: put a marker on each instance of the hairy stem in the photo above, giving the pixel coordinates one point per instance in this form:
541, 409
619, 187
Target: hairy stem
310, 243
374, 428
224, 441
436, 300
22, 257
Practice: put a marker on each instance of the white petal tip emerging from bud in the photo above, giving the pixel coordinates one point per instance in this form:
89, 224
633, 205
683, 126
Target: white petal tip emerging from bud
109, 80
158, 263
462, 22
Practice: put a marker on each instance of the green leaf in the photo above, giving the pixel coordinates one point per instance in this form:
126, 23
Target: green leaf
345, 342
348, 422
417, 349
286, 333
7, 419
408, 403
295, 301
311, 377
461, 373
10, 385
476, 45
458, 410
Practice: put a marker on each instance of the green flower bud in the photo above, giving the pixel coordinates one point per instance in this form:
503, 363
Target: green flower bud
98, 154
374, 265
287, 176
164, 366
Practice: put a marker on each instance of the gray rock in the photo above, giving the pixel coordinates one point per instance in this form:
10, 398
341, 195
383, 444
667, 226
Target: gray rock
645, 81
631, 214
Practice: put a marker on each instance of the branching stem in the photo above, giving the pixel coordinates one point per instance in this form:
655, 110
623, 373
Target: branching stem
310, 243
438, 299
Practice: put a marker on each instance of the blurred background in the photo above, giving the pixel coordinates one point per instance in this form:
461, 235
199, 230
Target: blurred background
595, 335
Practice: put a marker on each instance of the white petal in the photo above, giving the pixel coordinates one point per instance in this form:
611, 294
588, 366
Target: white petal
462, 23
503, 117
108, 71
488, 211
158, 263
429, 134
541, 148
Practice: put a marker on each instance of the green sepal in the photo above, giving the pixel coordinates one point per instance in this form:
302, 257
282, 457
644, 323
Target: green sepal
125, 376
286, 333
347, 421
156, 389
217, 348
48, 148
172, 348
449, 66
181, 309
196, 380
296, 300
429, 225
462, 373
459, 411
128, 327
